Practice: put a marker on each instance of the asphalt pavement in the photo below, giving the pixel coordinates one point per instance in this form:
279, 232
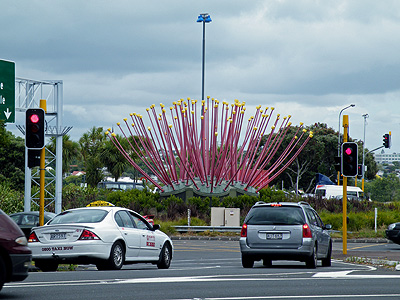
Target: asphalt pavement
355, 254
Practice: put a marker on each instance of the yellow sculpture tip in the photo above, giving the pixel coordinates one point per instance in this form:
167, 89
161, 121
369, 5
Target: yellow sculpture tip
113, 134
118, 123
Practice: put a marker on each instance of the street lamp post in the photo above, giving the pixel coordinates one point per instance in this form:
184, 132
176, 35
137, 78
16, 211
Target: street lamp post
365, 116
351, 105
204, 18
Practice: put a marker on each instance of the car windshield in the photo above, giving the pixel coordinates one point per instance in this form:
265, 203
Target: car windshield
275, 215
80, 216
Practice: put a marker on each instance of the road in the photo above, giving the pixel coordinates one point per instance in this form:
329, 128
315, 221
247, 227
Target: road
212, 270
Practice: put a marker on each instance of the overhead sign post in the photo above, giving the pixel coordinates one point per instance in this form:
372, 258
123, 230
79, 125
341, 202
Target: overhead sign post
7, 91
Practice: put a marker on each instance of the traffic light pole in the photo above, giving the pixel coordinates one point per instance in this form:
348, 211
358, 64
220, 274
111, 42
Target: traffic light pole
345, 132
42, 173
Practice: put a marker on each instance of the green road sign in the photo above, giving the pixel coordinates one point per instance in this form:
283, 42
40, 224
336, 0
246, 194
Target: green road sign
7, 91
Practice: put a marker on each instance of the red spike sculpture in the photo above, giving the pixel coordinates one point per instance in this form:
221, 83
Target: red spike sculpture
200, 151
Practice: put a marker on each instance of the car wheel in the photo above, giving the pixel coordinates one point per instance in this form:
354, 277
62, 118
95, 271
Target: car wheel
46, 265
247, 262
116, 259
326, 262
2, 273
117, 256
165, 257
267, 262
311, 262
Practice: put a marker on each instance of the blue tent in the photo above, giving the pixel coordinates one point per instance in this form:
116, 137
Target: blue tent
323, 180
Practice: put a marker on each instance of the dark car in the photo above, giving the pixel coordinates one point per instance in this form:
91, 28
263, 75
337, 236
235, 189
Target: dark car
285, 231
29, 219
15, 256
393, 233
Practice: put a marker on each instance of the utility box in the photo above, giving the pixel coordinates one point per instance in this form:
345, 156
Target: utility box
232, 216
221, 216
217, 216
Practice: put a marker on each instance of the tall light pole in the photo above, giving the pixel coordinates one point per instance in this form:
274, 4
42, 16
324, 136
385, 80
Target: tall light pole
351, 105
204, 18
365, 116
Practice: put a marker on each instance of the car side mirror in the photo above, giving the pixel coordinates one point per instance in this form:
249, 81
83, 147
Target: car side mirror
156, 227
328, 227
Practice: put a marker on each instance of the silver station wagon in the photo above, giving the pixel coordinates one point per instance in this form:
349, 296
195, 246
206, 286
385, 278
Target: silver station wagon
285, 231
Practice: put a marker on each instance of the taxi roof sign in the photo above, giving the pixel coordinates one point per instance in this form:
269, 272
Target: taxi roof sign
100, 203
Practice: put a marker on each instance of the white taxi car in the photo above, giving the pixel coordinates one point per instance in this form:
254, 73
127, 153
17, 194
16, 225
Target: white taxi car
108, 237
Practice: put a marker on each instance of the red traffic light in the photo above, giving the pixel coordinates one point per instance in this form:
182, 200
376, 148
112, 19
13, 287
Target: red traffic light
35, 128
35, 118
348, 151
349, 159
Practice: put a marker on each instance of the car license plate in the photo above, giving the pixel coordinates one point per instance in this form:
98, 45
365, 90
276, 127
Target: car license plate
57, 236
274, 236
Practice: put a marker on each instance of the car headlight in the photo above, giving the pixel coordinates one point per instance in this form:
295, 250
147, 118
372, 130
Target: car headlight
21, 241
392, 226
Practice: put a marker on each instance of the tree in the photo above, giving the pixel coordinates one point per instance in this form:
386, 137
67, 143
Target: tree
91, 143
318, 156
384, 189
12, 159
112, 158
70, 151
372, 167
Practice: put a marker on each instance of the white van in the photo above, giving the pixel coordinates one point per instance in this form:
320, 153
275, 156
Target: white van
336, 191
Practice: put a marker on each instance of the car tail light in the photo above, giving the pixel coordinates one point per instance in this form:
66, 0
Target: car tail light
276, 205
33, 238
306, 231
88, 235
243, 232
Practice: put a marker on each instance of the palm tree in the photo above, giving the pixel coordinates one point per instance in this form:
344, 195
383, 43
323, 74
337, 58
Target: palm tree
70, 151
91, 144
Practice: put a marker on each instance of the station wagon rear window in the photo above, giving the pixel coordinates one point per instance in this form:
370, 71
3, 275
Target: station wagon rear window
275, 215
80, 216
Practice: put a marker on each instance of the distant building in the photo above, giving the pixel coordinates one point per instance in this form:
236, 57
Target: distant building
78, 173
386, 158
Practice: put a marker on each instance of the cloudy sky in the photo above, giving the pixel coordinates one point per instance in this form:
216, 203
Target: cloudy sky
307, 58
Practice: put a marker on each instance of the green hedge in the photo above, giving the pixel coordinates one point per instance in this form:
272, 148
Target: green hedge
361, 214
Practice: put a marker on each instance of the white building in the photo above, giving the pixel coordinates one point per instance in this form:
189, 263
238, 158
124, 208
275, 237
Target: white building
386, 158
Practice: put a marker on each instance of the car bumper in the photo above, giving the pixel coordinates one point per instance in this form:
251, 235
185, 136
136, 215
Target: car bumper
300, 253
20, 264
78, 251
393, 235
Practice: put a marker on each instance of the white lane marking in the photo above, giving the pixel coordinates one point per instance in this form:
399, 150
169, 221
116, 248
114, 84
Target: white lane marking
345, 274
299, 297
211, 278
